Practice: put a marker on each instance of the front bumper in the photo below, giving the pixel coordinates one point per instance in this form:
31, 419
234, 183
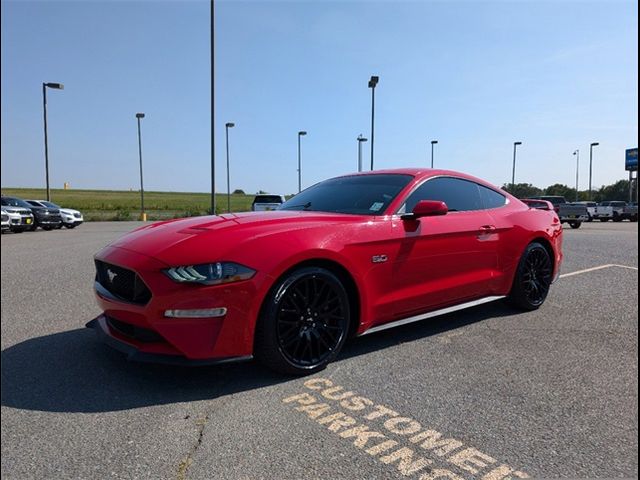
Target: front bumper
23, 222
210, 339
49, 221
134, 353
71, 220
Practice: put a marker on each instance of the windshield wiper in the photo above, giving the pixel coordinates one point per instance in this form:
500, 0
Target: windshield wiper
303, 206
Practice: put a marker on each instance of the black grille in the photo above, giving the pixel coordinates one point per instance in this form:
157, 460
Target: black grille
122, 283
135, 332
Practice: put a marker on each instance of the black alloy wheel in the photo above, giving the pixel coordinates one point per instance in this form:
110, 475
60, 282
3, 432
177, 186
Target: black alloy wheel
304, 323
533, 278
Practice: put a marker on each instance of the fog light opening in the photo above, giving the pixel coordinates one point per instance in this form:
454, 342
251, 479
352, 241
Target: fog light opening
197, 313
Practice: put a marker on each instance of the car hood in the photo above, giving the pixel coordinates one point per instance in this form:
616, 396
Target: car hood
201, 239
51, 211
17, 210
68, 211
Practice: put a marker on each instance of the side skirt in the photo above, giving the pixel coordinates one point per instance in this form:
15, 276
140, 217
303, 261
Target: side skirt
435, 313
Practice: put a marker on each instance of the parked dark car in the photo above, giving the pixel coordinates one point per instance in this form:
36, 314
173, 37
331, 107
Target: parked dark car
45, 218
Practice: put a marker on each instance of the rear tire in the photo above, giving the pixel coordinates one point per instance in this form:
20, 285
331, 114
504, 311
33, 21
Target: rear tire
575, 224
533, 278
303, 323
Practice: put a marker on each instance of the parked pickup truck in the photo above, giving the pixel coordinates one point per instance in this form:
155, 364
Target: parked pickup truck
613, 210
631, 211
591, 209
572, 213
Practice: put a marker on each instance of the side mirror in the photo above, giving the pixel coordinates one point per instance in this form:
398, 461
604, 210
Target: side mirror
427, 208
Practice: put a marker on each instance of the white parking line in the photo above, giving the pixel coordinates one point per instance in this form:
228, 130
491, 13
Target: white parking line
592, 269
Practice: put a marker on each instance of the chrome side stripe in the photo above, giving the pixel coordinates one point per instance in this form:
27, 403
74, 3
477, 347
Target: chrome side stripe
435, 313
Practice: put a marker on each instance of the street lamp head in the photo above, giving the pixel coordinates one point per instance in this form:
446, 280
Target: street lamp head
361, 138
373, 81
57, 86
302, 133
595, 144
517, 143
139, 115
433, 142
229, 125
576, 152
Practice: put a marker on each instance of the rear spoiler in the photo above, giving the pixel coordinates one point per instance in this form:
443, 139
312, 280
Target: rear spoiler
539, 204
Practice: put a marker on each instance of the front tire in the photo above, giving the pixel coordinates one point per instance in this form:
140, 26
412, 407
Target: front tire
574, 224
304, 322
533, 278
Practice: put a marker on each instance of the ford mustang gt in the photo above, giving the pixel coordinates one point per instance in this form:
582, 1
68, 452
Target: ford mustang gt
348, 256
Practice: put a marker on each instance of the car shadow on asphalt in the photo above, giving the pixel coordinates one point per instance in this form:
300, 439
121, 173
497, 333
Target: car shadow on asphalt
72, 372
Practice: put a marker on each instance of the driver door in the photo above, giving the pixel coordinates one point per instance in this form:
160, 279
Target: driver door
448, 259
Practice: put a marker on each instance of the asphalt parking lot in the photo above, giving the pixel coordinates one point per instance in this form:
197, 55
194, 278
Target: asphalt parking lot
487, 393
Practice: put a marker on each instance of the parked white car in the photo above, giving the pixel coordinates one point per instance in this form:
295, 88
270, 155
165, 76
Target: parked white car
6, 226
591, 209
20, 217
263, 202
70, 218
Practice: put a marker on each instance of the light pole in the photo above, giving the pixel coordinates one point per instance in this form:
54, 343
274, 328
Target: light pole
373, 81
213, 129
143, 215
513, 172
57, 86
360, 140
227, 126
433, 142
577, 154
300, 134
594, 144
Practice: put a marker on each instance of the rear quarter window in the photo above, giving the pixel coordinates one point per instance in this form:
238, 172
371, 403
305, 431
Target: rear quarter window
491, 198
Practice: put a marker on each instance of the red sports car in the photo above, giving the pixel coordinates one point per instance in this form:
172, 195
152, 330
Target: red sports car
348, 256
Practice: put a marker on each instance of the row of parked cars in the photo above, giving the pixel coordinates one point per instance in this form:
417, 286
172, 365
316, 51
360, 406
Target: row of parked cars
614, 210
19, 215
574, 213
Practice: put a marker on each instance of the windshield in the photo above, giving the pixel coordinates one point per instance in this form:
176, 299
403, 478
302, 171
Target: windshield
48, 204
14, 202
357, 194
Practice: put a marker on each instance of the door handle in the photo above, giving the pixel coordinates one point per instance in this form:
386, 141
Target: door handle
487, 228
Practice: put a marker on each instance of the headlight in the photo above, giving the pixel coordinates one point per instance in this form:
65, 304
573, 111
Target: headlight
210, 273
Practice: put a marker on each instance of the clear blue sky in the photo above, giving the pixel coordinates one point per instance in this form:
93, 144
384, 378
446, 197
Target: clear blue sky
474, 75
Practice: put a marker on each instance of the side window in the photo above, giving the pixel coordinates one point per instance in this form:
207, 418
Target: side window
491, 198
459, 195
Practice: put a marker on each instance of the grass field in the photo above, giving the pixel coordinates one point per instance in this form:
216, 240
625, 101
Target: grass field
125, 205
